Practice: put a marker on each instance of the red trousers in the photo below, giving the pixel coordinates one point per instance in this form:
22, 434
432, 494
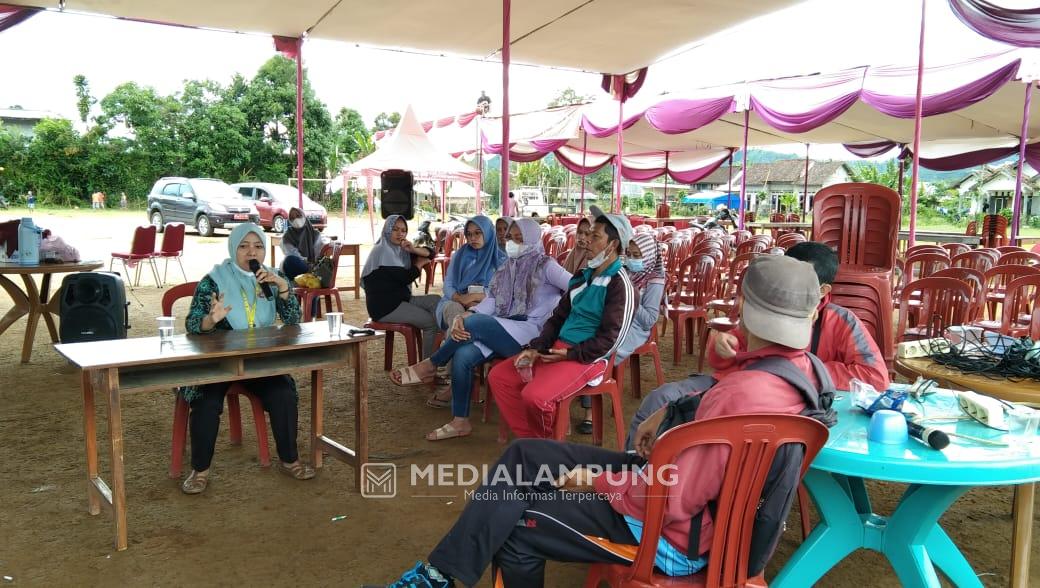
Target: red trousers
530, 409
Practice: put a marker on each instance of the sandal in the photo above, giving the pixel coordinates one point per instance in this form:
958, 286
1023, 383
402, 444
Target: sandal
446, 432
408, 377
297, 471
434, 402
195, 483
585, 427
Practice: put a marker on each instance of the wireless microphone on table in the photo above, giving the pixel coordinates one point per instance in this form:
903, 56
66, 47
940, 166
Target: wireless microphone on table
254, 266
933, 438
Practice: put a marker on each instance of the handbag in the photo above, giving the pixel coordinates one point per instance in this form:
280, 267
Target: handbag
323, 270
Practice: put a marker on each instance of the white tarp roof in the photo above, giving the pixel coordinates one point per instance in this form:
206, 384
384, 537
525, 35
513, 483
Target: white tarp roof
608, 36
410, 149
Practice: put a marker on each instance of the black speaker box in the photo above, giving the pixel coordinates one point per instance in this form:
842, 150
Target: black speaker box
396, 193
93, 307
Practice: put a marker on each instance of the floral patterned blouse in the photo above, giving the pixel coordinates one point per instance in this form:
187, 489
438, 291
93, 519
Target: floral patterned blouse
288, 310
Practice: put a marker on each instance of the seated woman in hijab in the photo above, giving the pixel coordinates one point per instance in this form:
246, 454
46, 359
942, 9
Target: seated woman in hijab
387, 277
301, 245
469, 271
501, 227
522, 295
576, 259
585, 329
230, 297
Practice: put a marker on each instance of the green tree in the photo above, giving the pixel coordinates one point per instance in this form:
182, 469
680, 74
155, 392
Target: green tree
386, 121
887, 175
568, 96
57, 161
84, 101
350, 139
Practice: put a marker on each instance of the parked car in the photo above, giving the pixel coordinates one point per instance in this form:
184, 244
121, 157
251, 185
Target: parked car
273, 202
203, 203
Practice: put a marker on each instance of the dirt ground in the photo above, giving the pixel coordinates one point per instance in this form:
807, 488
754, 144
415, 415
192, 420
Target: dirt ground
256, 527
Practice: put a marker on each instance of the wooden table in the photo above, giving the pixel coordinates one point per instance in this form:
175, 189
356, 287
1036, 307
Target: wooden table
936, 237
797, 226
1026, 391
36, 302
353, 249
146, 365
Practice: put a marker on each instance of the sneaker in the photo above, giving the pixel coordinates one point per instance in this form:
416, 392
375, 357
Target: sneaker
421, 576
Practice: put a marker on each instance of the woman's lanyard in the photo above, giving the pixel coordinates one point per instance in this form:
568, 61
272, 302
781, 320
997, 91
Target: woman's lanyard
250, 308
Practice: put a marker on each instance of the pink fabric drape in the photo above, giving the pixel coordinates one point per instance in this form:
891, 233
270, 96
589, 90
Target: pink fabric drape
1019, 27
800, 122
673, 117
13, 15
943, 102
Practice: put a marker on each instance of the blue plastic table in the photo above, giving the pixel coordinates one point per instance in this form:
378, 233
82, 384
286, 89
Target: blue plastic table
911, 537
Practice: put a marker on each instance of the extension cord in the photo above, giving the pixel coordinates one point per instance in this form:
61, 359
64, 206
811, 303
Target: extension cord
985, 409
922, 348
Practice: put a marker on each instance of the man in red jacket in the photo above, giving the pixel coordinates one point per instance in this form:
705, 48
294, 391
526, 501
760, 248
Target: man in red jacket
838, 338
551, 500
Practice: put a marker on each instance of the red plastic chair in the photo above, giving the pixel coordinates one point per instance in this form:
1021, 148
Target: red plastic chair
860, 221
142, 249
922, 265
994, 230
607, 387
1019, 257
945, 302
976, 280
172, 248
753, 441
972, 228
788, 240
698, 279
925, 249
181, 407
955, 249
308, 295
997, 280
451, 241
868, 294
412, 341
1019, 305
977, 260
652, 348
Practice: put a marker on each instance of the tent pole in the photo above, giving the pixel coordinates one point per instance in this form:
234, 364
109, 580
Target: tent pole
902, 163
620, 85
371, 205
480, 167
299, 119
664, 198
743, 172
584, 172
444, 198
805, 189
915, 168
343, 205
504, 192
1017, 210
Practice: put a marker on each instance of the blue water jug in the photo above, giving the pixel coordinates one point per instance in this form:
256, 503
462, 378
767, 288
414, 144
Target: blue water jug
29, 239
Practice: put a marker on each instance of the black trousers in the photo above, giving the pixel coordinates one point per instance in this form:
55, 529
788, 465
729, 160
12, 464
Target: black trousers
518, 527
279, 400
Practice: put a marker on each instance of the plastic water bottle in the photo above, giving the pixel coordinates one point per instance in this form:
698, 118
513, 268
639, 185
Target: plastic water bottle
29, 239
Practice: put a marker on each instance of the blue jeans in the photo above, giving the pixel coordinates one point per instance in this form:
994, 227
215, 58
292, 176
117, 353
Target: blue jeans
465, 356
294, 265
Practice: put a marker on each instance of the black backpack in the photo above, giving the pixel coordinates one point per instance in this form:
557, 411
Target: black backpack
782, 481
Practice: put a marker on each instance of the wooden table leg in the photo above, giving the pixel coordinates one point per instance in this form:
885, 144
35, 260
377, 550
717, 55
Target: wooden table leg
1022, 535
115, 434
49, 310
357, 272
360, 408
317, 416
90, 442
21, 303
33, 319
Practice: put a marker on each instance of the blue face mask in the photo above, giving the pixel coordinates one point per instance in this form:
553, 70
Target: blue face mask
634, 264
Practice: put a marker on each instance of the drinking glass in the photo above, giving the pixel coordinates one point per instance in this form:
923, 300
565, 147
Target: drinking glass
165, 328
335, 320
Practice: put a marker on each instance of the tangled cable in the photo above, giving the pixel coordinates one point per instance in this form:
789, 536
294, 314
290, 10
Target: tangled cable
1004, 358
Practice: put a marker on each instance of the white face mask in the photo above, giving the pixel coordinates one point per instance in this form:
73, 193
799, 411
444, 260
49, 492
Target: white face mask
598, 260
513, 249
299, 223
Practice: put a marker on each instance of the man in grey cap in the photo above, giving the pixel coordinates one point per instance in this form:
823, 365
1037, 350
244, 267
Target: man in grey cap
519, 530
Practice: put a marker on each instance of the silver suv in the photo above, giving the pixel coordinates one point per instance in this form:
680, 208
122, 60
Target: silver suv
203, 203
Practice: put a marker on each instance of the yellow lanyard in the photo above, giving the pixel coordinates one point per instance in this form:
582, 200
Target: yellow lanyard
250, 309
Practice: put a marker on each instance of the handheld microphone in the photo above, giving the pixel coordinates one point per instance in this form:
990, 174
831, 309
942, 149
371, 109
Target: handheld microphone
254, 266
933, 438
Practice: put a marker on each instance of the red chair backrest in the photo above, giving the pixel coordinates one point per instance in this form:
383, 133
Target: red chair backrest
945, 302
922, 265
1020, 299
788, 240
332, 250
176, 293
777, 217
144, 240
975, 279
860, 221
925, 249
752, 441
1019, 258
794, 217
736, 272
976, 260
994, 230
972, 228
751, 246
998, 277
955, 249
698, 281
173, 239
741, 236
